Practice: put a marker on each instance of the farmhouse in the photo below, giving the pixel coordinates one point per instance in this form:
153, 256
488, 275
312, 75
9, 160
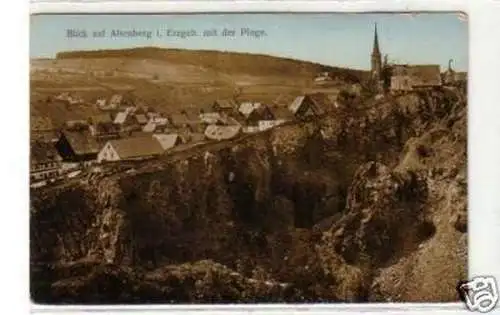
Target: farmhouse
304, 107
255, 112
77, 146
126, 122
45, 161
135, 148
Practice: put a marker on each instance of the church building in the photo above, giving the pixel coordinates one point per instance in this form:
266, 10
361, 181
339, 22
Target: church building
401, 78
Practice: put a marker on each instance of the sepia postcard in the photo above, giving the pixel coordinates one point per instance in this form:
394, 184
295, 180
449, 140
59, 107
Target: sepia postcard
248, 158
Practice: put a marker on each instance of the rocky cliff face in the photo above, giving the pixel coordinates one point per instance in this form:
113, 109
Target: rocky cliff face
368, 204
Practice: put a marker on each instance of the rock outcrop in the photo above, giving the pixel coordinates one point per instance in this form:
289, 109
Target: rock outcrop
368, 204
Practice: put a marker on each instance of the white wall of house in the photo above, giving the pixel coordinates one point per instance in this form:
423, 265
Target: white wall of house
267, 124
107, 153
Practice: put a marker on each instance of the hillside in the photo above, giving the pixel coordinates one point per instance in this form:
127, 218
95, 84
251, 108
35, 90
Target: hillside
226, 62
169, 80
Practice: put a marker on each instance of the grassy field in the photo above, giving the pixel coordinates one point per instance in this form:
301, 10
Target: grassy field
170, 79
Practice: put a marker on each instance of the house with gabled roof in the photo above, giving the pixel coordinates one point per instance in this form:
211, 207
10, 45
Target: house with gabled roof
133, 148
45, 161
155, 123
77, 146
126, 122
304, 107
252, 113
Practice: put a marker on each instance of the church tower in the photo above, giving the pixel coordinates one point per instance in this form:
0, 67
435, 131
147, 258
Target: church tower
376, 70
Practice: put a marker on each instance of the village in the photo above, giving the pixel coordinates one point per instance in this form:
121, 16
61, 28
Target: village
127, 129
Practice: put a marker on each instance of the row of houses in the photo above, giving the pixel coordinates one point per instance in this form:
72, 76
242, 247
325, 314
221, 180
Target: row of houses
133, 133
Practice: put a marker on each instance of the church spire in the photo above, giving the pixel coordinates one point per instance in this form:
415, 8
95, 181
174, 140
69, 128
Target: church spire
376, 61
376, 49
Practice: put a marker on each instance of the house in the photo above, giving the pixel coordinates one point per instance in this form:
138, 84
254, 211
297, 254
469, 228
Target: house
45, 161
102, 127
214, 132
101, 103
255, 112
168, 141
126, 122
141, 119
268, 124
406, 78
304, 107
225, 106
134, 148
211, 118
77, 146
115, 101
183, 122
155, 123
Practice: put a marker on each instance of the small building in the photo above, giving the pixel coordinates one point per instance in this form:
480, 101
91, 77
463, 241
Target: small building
141, 119
268, 124
103, 131
228, 106
212, 118
168, 141
155, 123
214, 132
77, 146
115, 101
101, 103
126, 122
453, 78
135, 148
304, 107
45, 161
255, 112
406, 78
183, 122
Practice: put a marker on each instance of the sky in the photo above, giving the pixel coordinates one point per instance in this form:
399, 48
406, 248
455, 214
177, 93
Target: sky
335, 39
